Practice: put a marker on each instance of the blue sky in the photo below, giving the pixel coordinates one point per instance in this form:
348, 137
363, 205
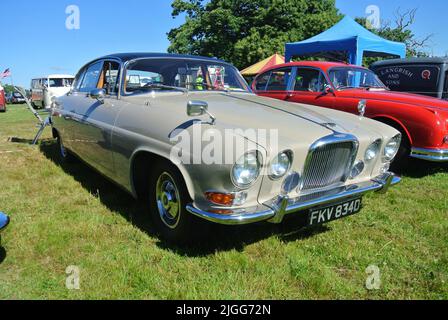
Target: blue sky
36, 41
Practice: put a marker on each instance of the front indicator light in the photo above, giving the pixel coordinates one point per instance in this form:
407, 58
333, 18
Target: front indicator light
226, 199
222, 199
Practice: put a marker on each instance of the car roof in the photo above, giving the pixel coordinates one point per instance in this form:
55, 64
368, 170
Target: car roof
324, 65
124, 57
433, 60
55, 76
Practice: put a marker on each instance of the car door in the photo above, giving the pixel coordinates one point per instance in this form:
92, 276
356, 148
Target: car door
274, 83
65, 115
96, 117
309, 86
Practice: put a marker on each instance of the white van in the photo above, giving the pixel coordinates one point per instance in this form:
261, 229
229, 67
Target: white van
45, 88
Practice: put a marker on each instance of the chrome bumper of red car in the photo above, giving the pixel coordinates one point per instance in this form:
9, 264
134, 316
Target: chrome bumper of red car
435, 155
275, 210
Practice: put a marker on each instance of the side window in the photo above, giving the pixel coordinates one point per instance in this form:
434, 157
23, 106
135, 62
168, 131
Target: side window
310, 80
262, 81
109, 78
445, 87
278, 81
91, 77
78, 79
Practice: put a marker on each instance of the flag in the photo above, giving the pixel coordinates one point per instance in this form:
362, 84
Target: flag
5, 74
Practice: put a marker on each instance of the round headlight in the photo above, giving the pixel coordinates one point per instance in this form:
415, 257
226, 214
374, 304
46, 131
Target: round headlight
391, 148
246, 170
372, 151
280, 165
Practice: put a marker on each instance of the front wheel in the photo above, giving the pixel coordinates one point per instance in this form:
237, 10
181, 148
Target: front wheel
402, 159
168, 196
64, 154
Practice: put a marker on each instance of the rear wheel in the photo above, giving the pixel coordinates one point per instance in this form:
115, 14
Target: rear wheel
167, 197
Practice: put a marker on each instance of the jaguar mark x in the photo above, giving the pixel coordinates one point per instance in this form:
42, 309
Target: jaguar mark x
124, 109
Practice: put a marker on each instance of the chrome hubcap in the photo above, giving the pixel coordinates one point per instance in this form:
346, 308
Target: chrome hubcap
168, 200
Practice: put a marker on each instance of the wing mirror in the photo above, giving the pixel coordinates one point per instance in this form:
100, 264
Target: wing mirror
328, 89
98, 94
199, 108
196, 108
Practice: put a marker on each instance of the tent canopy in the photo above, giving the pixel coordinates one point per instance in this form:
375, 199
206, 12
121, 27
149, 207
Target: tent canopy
349, 37
259, 67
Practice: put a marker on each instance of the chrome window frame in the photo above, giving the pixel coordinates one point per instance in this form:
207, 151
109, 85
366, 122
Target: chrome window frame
123, 93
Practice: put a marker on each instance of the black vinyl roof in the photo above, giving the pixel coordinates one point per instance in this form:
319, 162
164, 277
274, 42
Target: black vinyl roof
409, 61
136, 55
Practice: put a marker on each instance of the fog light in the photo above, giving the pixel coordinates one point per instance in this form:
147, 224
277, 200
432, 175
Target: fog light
445, 140
385, 168
357, 169
290, 183
240, 198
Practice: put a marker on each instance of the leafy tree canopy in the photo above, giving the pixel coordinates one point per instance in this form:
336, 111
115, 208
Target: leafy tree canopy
245, 32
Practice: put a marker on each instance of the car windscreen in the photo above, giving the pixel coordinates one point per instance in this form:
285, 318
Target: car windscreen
60, 82
349, 77
195, 75
416, 79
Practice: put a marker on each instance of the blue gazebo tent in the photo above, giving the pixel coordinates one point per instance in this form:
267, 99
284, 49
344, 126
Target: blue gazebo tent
347, 37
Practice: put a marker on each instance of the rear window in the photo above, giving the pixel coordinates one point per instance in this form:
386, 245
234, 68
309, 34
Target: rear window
416, 79
60, 82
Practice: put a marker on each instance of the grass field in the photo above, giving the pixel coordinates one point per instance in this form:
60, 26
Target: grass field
66, 215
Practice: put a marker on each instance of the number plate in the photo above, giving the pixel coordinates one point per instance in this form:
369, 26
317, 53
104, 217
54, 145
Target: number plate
326, 214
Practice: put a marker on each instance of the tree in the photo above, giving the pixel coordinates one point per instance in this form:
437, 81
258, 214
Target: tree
244, 32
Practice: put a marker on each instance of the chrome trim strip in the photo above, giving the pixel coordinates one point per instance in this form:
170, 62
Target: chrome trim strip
435, 155
275, 210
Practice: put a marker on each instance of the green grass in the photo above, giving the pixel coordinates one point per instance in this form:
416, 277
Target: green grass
68, 215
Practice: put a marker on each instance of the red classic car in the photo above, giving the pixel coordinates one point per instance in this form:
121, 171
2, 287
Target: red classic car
423, 121
2, 100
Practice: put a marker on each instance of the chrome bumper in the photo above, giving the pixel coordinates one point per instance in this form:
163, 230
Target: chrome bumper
275, 210
435, 155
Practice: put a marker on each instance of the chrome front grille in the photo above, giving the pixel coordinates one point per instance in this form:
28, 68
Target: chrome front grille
328, 163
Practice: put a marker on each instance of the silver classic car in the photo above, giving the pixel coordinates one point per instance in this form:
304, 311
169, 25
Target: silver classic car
187, 135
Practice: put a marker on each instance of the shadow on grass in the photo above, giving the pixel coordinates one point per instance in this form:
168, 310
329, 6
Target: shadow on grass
416, 168
219, 238
2, 254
